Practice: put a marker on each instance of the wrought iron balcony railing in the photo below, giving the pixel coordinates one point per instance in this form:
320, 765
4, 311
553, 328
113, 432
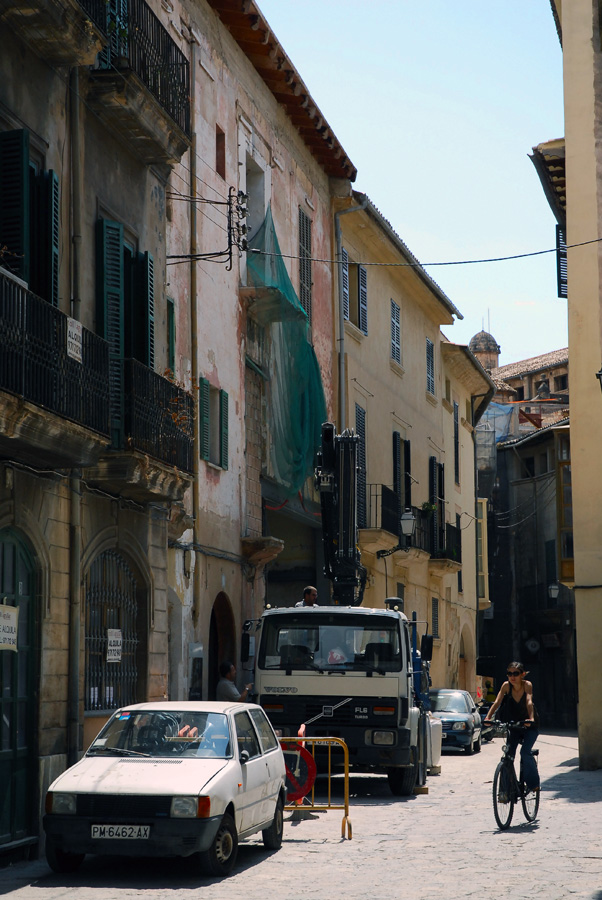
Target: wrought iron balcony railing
97, 11
158, 416
35, 365
384, 509
138, 41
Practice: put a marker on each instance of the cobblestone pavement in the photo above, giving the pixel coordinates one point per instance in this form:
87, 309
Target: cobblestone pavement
443, 844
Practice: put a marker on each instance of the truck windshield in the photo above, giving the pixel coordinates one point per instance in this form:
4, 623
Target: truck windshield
330, 642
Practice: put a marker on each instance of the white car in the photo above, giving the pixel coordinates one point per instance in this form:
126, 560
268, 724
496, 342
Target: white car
170, 779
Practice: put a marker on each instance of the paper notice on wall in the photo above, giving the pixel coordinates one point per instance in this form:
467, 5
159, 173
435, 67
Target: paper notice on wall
114, 644
9, 620
74, 339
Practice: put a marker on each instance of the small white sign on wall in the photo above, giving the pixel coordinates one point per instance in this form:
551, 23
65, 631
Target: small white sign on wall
114, 645
9, 621
74, 339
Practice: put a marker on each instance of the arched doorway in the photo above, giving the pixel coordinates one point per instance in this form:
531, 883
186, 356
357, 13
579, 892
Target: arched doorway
115, 636
18, 682
222, 640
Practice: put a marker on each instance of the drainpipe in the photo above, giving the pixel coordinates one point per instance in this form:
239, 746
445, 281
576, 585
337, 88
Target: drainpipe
194, 350
73, 740
339, 249
76, 189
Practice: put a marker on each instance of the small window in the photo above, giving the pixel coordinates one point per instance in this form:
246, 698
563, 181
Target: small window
430, 367
355, 293
220, 152
561, 382
305, 274
435, 616
266, 732
456, 443
395, 332
213, 424
247, 739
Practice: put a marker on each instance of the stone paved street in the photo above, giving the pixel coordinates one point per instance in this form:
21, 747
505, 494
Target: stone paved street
441, 845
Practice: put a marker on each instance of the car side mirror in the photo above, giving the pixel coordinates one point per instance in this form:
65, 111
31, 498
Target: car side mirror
243, 757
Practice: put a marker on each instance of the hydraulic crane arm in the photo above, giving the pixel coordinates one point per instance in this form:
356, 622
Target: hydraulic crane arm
336, 480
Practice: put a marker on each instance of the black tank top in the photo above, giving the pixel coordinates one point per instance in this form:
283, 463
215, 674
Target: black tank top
517, 709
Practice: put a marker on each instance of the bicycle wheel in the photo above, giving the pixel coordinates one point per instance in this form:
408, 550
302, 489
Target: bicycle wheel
530, 802
503, 802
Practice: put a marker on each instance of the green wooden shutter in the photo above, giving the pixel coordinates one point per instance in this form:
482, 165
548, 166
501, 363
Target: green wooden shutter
363, 298
14, 202
110, 313
434, 502
45, 237
305, 262
397, 464
430, 366
561, 262
171, 336
395, 332
204, 423
145, 288
407, 466
223, 426
360, 430
345, 281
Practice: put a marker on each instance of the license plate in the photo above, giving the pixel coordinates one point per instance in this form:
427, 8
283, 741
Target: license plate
121, 832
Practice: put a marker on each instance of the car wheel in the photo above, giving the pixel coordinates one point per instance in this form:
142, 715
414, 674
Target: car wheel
272, 836
477, 746
60, 861
219, 859
470, 746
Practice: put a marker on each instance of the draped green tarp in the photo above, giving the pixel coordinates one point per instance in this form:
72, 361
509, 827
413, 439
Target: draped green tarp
296, 408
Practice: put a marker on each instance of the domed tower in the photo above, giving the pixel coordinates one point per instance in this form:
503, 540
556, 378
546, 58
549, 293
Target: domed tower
486, 349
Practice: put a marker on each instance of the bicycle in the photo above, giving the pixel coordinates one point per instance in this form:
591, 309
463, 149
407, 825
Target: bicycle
507, 790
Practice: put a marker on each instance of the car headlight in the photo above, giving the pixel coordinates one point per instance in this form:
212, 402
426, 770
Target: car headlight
386, 738
459, 726
190, 807
60, 804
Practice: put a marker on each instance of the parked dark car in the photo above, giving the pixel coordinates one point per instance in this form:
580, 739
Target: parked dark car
460, 719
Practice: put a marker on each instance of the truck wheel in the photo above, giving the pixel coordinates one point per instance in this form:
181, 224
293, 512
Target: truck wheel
402, 779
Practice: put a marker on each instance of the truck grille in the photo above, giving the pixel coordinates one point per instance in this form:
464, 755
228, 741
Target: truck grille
327, 712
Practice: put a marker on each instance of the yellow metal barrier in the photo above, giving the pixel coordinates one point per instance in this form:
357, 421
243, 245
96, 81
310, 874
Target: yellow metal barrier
288, 744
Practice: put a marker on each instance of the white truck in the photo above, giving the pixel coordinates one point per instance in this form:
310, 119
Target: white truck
349, 672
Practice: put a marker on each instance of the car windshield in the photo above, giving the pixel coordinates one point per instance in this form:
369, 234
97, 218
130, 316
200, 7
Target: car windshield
158, 733
331, 643
448, 703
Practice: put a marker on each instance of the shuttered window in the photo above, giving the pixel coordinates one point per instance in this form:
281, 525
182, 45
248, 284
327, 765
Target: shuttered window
305, 262
395, 332
171, 336
437, 501
355, 292
435, 616
29, 217
125, 309
457, 443
397, 472
360, 430
561, 262
345, 282
213, 424
430, 367
362, 274
402, 479
407, 464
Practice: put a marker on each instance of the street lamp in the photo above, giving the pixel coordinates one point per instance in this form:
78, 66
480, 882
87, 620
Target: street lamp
407, 524
553, 591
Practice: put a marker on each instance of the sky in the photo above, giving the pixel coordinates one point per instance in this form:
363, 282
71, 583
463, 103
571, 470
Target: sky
438, 105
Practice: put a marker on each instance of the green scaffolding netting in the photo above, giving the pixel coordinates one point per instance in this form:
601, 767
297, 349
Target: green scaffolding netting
297, 407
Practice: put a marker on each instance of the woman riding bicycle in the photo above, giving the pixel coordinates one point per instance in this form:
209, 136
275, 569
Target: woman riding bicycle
516, 695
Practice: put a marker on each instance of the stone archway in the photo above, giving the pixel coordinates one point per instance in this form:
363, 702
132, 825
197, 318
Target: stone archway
467, 661
222, 640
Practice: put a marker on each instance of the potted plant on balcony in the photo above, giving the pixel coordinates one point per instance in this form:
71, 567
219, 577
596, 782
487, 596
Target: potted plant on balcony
428, 508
